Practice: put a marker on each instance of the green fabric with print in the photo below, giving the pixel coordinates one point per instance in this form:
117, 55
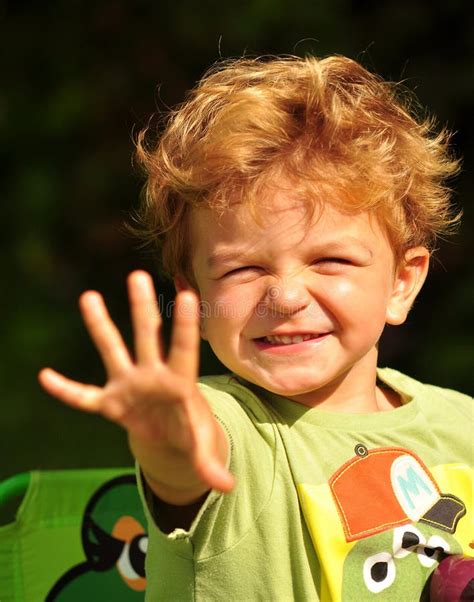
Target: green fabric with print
328, 506
42, 555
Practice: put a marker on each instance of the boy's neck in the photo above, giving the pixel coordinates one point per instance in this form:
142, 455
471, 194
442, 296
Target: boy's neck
377, 399
387, 399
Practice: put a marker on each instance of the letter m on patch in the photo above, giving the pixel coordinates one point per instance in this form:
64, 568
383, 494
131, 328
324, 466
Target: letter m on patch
414, 487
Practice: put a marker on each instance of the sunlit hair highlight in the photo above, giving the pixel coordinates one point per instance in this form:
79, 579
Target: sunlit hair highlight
328, 130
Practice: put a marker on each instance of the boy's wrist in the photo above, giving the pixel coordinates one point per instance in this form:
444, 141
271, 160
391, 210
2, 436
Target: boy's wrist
169, 472
169, 517
175, 495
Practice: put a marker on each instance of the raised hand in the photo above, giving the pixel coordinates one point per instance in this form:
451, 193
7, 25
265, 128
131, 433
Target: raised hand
172, 432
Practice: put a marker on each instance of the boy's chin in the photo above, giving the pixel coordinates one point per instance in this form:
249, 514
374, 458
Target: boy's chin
292, 388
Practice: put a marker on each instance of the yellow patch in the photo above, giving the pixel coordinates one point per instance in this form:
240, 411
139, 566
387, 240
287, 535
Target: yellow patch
328, 538
458, 480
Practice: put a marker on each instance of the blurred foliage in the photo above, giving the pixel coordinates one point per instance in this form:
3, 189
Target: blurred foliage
77, 79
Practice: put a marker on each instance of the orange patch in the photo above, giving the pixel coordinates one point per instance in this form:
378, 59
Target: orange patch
125, 529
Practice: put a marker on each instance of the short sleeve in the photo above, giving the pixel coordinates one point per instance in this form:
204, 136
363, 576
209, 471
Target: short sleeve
224, 520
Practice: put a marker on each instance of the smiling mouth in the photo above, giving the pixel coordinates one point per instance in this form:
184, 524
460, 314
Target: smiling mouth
285, 339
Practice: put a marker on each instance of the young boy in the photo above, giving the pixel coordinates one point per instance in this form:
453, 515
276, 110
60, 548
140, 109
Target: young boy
296, 202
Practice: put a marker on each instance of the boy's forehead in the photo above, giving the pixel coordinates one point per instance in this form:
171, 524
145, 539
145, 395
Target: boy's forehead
245, 228
243, 222
261, 215
268, 211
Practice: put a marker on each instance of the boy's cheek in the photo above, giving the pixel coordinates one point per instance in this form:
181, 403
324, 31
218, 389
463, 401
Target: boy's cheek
231, 305
344, 288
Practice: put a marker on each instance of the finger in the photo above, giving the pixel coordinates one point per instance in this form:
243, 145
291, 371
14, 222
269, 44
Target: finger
209, 446
104, 333
209, 467
79, 395
146, 318
214, 474
183, 357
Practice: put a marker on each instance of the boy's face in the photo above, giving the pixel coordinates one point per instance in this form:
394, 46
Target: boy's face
295, 303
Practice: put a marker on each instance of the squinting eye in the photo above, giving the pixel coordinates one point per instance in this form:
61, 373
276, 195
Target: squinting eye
333, 260
331, 264
242, 270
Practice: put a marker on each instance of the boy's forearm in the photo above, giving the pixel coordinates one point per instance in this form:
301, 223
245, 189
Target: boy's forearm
170, 473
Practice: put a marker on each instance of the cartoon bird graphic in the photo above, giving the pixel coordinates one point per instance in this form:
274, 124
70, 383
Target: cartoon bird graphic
114, 543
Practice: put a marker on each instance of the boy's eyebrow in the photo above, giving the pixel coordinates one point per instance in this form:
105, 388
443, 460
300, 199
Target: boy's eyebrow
328, 246
347, 244
223, 257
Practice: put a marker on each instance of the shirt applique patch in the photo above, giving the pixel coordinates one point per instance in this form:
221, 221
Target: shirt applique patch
384, 519
383, 488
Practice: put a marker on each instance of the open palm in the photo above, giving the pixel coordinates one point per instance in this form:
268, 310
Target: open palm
154, 398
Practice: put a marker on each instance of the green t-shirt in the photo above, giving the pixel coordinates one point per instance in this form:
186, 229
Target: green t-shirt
327, 506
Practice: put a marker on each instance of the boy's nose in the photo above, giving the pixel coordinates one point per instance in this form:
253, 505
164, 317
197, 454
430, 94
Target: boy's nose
288, 297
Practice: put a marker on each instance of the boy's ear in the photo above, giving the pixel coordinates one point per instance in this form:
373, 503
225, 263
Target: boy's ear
410, 277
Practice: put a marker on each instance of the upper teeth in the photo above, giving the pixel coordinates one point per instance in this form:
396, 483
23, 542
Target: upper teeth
288, 340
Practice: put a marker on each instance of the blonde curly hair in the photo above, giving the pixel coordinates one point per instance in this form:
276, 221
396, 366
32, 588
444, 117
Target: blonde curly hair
328, 127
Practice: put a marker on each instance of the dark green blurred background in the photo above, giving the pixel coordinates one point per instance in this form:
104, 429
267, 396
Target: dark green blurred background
77, 78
